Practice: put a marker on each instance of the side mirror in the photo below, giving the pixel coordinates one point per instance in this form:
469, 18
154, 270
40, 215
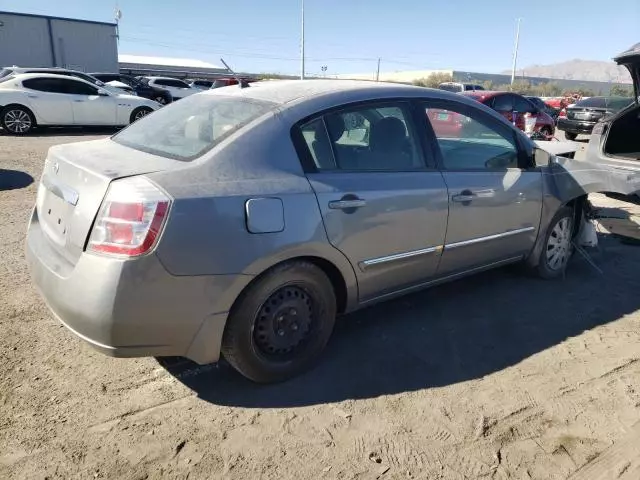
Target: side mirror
102, 92
542, 158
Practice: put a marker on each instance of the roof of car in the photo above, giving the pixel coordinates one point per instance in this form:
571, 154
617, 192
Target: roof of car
284, 91
153, 77
26, 76
43, 69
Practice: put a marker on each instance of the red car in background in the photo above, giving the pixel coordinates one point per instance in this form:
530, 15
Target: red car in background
514, 107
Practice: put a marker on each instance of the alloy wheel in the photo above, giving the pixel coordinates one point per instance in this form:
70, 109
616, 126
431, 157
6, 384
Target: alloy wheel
141, 113
559, 245
17, 121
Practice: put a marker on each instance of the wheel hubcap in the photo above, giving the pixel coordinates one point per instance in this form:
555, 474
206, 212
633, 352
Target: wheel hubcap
284, 322
161, 100
559, 245
17, 121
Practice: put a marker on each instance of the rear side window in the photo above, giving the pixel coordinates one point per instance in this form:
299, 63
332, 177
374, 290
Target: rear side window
366, 138
503, 103
51, 85
187, 129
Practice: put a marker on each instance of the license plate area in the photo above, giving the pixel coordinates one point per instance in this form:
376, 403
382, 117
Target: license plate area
582, 116
443, 117
54, 214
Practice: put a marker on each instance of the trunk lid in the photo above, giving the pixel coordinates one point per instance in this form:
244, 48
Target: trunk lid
631, 59
74, 181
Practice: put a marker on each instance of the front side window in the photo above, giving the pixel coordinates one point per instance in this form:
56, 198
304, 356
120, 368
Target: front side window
78, 88
503, 103
366, 138
185, 130
469, 140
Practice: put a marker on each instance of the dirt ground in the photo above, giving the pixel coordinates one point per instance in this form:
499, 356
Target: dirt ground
498, 376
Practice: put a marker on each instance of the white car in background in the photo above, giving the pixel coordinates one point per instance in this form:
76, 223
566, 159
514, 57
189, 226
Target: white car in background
36, 99
177, 88
128, 89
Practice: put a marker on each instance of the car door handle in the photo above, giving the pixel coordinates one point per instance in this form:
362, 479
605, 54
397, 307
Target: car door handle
347, 204
78, 101
32, 96
463, 197
468, 195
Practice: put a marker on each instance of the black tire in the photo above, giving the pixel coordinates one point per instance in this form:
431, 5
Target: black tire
138, 113
546, 131
17, 120
161, 99
570, 136
249, 342
546, 268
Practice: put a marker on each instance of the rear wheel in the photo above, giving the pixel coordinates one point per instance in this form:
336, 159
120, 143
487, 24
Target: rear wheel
558, 246
162, 100
281, 323
570, 136
17, 120
138, 113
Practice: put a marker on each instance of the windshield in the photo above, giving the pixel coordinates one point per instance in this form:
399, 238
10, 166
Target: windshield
450, 87
5, 72
187, 129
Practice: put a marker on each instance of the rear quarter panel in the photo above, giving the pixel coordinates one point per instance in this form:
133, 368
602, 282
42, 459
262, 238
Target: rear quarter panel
207, 231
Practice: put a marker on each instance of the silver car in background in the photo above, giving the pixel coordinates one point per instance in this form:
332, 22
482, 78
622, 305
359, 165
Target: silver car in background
241, 221
615, 141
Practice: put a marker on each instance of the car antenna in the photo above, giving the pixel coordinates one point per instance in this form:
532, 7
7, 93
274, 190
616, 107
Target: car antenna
241, 82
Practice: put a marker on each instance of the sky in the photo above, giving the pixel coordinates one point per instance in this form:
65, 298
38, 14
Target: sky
348, 36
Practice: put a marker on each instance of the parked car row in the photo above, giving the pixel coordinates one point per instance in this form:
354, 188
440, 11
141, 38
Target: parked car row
29, 100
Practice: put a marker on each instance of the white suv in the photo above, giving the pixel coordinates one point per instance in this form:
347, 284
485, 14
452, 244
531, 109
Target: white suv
177, 88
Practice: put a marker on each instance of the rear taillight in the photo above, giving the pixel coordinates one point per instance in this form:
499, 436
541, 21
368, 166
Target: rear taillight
563, 113
130, 219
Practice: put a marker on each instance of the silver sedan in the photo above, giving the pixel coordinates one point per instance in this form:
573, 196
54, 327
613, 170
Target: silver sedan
241, 221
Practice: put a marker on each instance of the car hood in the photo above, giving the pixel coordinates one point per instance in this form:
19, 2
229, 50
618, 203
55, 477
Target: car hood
631, 59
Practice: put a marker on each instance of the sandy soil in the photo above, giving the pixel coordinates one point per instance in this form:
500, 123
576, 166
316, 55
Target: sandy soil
497, 376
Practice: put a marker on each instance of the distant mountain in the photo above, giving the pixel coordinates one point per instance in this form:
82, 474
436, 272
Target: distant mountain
577, 69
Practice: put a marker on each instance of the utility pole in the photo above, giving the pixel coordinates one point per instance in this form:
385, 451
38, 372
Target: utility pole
515, 53
302, 45
378, 71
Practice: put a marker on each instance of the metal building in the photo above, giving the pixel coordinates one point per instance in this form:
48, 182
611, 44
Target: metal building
40, 41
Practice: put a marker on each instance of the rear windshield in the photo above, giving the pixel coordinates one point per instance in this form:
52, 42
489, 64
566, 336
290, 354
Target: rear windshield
450, 87
613, 103
187, 129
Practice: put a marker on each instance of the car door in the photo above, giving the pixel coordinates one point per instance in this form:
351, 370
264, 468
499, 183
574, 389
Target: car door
89, 106
48, 100
495, 199
383, 206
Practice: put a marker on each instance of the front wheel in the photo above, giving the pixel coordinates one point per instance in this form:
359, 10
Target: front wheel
138, 113
281, 323
17, 120
570, 136
558, 245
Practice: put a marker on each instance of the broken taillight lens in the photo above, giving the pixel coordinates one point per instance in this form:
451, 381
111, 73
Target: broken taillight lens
130, 219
